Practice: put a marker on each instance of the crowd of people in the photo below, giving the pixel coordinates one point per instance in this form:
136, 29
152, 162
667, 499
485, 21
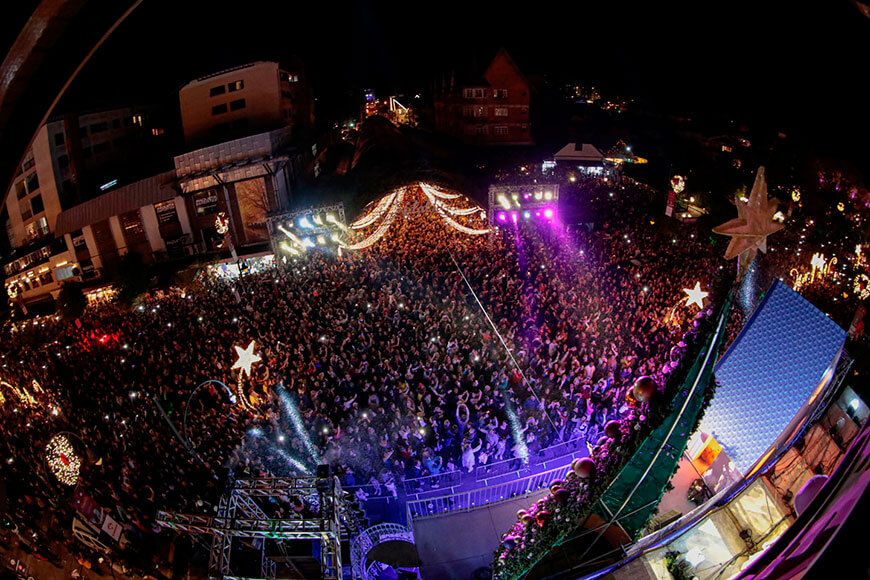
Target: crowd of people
432, 351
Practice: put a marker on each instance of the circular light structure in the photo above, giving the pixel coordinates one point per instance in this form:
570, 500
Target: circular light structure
222, 223
678, 183
62, 459
795, 194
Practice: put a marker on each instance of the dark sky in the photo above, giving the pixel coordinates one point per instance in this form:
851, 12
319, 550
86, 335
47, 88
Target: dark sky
781, 63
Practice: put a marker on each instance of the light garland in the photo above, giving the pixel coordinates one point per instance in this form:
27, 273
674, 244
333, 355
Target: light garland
678, 183
819, 269
861, 286
62, 459
21, 393
437, 193
382, 206
695, 295
458, 226
385, 225
222, 223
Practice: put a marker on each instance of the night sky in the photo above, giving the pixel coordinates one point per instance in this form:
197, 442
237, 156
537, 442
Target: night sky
779, 65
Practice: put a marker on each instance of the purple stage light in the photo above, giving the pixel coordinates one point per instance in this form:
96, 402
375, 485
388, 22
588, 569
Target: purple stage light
514, 217
548, 213
537, 214
502, 217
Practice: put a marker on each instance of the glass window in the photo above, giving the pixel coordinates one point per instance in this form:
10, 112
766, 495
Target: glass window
219, 109
99, 127
63, 161
36, 204
236, 86
238, 104
59, 139
218, 90
501, 112
31, 182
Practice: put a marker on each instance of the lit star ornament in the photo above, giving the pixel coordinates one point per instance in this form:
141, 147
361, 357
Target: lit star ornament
695, 295
754, 222
247, 357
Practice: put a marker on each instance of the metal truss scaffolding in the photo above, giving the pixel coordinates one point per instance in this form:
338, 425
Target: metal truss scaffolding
242, 513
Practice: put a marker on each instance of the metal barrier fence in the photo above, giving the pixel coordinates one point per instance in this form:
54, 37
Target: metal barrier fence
466, 500
453, 479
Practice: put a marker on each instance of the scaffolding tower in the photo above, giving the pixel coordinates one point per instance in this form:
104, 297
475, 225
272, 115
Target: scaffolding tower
241, 514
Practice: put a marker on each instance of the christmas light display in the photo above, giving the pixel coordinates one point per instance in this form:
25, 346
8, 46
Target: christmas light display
819, 270
222, 223
695, 295
247, 358
861, 286
22, 394
678, 183
380, 208
753, 224
384, 226
62, 459
796, 194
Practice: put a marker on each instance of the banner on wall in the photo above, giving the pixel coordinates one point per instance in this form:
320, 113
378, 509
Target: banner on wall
253, 206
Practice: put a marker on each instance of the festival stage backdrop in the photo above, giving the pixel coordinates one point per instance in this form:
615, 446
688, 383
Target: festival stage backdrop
785, 350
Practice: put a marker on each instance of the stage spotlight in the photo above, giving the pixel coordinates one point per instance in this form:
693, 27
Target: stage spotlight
514, 217
502, 217
527, 215
548, 196
317, 219
548, 213
538, 195
304, 223
321, 240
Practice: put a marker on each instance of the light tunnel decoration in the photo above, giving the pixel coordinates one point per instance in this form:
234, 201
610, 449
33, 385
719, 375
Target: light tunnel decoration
418, 200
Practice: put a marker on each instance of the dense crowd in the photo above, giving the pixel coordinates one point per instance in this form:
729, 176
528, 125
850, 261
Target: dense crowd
393, 367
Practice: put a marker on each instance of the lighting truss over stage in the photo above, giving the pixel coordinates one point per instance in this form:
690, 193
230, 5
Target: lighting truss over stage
241, 515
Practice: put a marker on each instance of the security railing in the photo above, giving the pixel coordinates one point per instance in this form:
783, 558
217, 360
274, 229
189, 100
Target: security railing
475, 498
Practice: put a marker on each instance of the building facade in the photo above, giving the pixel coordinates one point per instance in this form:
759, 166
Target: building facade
493, 110
245, 100
246, 179
148, 217
60, 169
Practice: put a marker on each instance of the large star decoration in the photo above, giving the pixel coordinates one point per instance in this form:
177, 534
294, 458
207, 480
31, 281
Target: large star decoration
753, 224
695, 295
246, 359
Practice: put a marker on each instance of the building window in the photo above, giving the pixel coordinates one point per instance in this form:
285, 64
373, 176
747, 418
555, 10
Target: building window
479, 93
45, 278
36, 204
102, 147
31, 182
237, 104
157, 131
500, 131
480, 111
468, 111
501, 112
525, 110
525, 128
236, 86
59, 139
37, 229
83, 130
63, 161
499, 93
480, 131
116, 123
468, 93
20, 190
219, 109
288, 77
218, 90
99, 127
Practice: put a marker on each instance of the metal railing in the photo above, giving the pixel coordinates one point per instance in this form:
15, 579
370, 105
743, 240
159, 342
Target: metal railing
475, 498
368, 539
452, 479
